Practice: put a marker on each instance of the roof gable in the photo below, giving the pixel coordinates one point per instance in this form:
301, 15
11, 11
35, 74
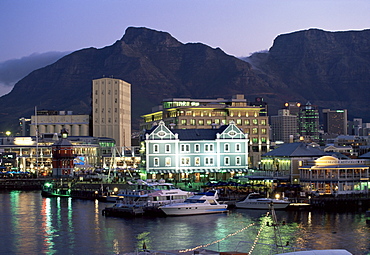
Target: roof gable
232, 132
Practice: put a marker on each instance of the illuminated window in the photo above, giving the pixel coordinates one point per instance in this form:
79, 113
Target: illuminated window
197, 161
263, 139
168, 161
185, 161
254, 140
238, 121
263, 122
263, 131
183, 122
201, 122
246, 122
255, 122
254, 130
192, 122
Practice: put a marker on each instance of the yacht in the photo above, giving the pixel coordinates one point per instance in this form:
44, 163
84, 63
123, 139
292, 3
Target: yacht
257, 201
201, 203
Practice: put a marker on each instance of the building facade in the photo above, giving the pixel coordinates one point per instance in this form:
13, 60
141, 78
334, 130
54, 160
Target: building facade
46, 121
308, 122
330, 175
335, 121
194, 154
284, 127
186, 113
111, 110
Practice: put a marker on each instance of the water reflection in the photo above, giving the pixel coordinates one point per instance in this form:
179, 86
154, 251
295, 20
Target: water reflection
31, 224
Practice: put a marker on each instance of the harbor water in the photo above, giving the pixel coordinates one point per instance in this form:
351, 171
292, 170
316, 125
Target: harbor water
32, 224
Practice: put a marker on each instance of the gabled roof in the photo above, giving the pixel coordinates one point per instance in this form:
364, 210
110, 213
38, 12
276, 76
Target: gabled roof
295, 150
198, 134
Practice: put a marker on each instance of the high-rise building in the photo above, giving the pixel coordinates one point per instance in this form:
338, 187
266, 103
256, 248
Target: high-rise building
308, 122
186, 113
335, 121
284, 126
111, 110
293, 107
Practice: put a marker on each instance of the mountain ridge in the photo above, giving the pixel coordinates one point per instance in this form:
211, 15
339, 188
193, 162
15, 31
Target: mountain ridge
158, 66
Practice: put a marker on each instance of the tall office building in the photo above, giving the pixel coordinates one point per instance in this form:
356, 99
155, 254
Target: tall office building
308, 122
284, 126
335, 121
111, 106
293, 107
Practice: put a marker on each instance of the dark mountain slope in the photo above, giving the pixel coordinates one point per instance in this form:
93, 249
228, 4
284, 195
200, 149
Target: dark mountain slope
156, 65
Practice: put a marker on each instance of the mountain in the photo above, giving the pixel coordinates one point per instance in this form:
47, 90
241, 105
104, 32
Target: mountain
330, 69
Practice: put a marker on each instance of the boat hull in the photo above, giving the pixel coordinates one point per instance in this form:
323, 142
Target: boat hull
193, 210
261, 205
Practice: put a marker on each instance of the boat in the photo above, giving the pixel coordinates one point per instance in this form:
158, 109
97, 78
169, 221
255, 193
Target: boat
257, 201
201, 203
148, 196
55, 189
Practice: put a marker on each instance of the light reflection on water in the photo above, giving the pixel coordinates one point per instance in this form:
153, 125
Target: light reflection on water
31, 224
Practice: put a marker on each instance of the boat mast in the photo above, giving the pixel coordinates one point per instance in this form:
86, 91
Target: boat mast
37, 143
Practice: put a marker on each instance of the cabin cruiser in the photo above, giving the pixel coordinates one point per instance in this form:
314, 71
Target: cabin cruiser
257, 201
201, 203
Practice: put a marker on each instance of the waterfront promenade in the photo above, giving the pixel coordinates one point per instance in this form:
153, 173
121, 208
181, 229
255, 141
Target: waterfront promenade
341, 202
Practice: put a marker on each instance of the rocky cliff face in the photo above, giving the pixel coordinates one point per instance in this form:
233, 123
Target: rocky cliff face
328, 69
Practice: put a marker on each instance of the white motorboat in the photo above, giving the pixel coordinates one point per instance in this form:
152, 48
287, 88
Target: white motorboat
257, 201
201, 203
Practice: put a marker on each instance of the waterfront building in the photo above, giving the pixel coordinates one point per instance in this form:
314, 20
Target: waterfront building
51, 122
330, 175
283, 162
284, 126
194, 154
335, 121
186, 113
63, 156
111, 110
308, 122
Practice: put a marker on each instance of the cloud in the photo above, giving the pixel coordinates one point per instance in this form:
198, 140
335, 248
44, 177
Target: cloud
13, 70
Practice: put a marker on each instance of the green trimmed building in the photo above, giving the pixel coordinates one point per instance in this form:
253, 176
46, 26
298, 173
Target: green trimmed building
195, 155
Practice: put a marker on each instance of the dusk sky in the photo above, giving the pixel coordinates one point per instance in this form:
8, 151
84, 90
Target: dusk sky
239, 27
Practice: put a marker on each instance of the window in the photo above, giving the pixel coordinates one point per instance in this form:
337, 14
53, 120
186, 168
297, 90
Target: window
254, 140
238, 121
197, 161
263, 131
156, 161
263, 122
226, 147
255, 131
200, 122
196, 147
255, 122
185, 147
227, 161
192, 122
237, 147
185, 161
183, 122
208, 161
168, 161
263, 139
155, 148
168, 148
238, 161
246, 122
208, 147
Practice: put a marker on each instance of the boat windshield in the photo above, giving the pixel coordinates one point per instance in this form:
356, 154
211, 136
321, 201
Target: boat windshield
255, 196
191, 201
